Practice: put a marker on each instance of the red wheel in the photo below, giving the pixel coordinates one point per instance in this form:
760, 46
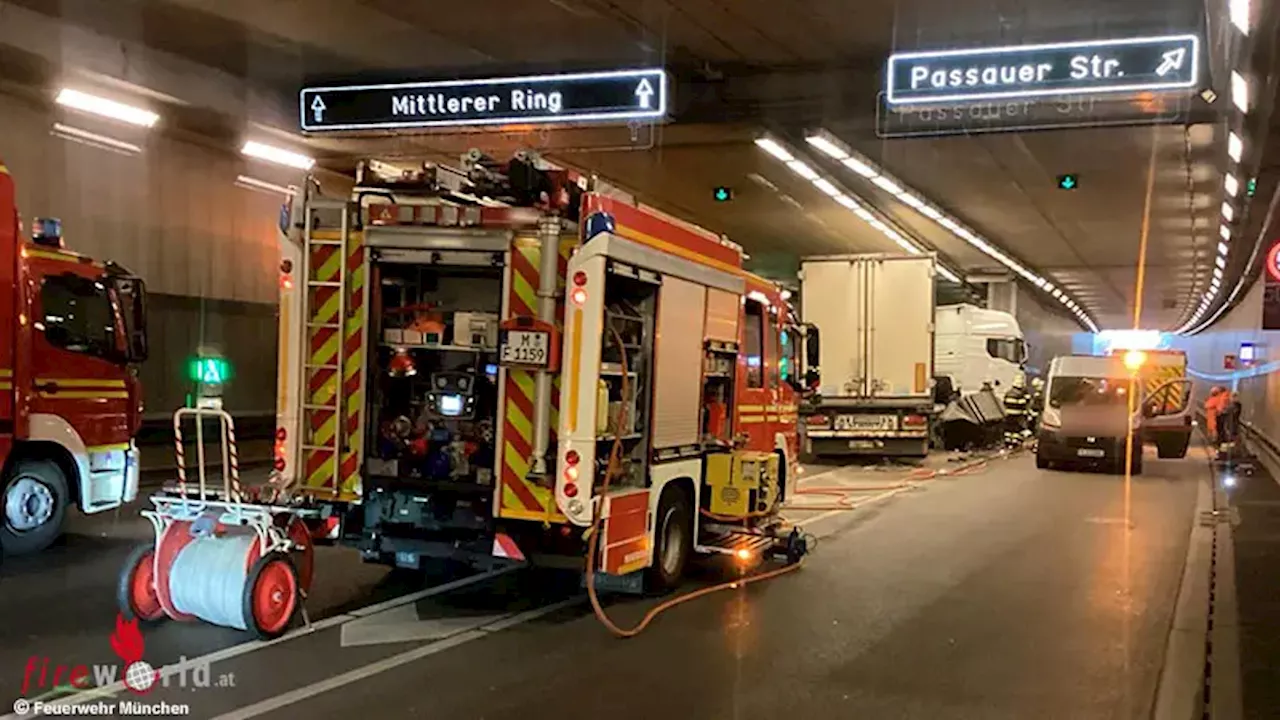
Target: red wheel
175, 537
136, 594
304, 558
270, 595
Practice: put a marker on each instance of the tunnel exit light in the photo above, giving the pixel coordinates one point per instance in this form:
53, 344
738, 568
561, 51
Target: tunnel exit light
1068, 182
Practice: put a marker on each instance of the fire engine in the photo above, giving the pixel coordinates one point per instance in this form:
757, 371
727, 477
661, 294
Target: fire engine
477, 364
72, 333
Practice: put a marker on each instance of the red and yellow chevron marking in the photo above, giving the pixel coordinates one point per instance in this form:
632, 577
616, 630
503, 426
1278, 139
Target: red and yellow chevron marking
324, 342
521, 499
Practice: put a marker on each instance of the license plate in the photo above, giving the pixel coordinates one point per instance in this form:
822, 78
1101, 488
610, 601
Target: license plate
1091, 452
866, 422
862, 444
525, 347
407, 560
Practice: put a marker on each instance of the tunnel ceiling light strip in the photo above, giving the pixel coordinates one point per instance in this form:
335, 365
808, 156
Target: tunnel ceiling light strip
846, 199
1230, 184
1235, 147
276, 155
1240, 12
1228, 212
838, 150
254, 183
79, 135
1225, 232
1240, 91
85, 102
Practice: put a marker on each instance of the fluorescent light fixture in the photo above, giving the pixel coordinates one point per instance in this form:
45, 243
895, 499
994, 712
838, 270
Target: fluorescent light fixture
862, 213
1239, 11
1225, 232
827, 146
825, 186
911, 200
1223, 249
1220, 261
1230, 184
1235, 147
846, 201
802, 170
1240, 91
773, 148
106, 108
256, 184
944, 272
276, 155
1228, 212
859, 167
93, 139
1217, 272
929, 212
1057, 294
886, 184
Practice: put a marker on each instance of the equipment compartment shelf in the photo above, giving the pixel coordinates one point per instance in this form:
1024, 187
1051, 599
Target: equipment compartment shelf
441, 348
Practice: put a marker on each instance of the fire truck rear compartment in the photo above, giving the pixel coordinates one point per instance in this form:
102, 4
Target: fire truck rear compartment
433, 403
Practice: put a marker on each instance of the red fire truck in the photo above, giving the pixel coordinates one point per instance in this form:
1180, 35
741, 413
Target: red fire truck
72, 332
477, 364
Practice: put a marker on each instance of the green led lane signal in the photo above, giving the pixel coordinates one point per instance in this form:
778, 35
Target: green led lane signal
722, 194
209, 371
1068, 182
1251, 187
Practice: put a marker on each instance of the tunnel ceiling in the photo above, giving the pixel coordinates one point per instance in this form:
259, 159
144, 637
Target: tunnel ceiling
740, 67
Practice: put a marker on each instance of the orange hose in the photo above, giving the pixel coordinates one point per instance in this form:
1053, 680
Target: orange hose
613, 466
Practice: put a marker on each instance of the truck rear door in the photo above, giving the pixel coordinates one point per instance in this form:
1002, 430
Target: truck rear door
899, 302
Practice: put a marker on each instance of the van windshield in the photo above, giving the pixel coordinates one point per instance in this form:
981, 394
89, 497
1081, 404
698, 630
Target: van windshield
1094, 391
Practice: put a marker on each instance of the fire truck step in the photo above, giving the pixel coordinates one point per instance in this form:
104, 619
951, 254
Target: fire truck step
732, 542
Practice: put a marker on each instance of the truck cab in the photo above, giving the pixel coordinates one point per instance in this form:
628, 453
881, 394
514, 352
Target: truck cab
975, 346
72, 333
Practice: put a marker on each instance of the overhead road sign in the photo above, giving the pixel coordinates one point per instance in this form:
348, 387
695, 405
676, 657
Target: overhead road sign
1092, 67
595, 97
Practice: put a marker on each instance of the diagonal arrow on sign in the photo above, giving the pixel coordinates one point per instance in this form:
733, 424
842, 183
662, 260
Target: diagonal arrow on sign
1171, 60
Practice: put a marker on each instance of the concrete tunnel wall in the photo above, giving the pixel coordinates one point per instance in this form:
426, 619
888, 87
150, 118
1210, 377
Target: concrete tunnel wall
207, 248
1259, 394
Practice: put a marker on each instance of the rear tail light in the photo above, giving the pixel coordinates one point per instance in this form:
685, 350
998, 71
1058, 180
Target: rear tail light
578, 295
570, 490
817, 421
915, 421
579, 278
572, 457
278, 464
281, 435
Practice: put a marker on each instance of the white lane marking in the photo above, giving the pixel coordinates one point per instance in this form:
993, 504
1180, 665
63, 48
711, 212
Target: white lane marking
248, 647
303, 693
852, 506
402, 624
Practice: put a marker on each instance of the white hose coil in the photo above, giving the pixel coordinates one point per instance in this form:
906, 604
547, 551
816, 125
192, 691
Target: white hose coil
207, 578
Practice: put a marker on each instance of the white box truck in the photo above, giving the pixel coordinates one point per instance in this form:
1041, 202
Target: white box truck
875, 314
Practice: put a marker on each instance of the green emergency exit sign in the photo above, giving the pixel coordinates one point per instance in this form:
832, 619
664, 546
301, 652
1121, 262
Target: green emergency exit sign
1068, 182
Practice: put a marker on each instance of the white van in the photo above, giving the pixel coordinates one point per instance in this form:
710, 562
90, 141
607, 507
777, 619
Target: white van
1087, 414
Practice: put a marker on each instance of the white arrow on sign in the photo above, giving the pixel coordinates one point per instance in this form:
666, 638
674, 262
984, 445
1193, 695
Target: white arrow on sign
644, 91
317, 108
1172, 60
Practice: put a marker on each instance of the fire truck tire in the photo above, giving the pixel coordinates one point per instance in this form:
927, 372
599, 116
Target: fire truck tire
136, 595
673, 540
270, 596
34, 506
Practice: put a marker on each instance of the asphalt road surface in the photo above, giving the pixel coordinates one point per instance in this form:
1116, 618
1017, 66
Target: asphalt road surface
1004, 592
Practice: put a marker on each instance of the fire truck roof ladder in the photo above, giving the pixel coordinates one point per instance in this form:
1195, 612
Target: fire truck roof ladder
325, 419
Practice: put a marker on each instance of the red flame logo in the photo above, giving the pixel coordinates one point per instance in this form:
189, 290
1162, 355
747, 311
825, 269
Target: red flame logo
126, 641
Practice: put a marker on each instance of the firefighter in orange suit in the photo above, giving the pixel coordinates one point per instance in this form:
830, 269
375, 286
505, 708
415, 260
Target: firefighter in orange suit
1215, 404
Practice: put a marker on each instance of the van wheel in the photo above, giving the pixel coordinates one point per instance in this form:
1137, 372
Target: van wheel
673, 536
34, 506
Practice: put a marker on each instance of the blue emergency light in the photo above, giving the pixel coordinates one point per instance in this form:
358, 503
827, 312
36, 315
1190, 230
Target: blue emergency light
47, 232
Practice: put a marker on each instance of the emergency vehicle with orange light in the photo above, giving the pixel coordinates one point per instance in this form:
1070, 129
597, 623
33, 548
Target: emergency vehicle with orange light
476, 364
72, 333
1168, 402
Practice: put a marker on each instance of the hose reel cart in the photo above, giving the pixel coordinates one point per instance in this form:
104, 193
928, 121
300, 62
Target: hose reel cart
218, 556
